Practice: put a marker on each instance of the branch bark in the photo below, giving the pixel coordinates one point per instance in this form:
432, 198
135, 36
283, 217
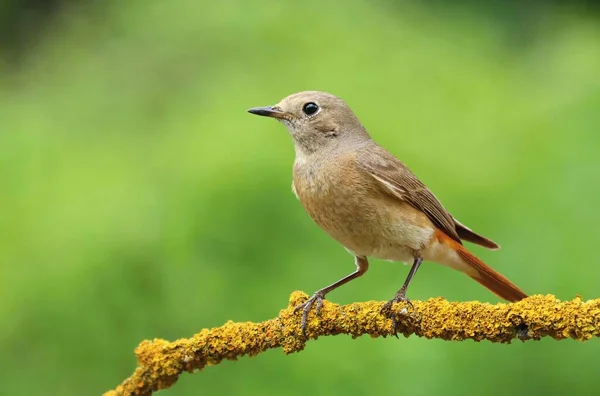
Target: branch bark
161, 362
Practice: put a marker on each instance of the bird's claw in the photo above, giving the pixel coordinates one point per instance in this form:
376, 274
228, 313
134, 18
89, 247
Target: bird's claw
395, 316
307, 305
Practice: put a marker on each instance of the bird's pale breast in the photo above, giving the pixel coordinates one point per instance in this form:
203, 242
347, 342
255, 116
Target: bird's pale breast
353, 209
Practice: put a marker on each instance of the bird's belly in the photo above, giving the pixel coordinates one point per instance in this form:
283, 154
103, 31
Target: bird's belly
401, 239
400, 254
389, 231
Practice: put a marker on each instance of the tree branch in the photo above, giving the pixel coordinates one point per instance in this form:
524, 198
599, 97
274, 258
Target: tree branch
161, 362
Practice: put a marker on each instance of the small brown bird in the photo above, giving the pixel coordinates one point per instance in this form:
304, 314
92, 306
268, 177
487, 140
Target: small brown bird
369, 201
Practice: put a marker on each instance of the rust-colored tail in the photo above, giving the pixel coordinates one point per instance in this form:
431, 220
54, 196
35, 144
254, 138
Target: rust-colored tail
478, 270
491, 279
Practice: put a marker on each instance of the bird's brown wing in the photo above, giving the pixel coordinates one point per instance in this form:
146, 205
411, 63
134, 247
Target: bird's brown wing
466, 234
400, 182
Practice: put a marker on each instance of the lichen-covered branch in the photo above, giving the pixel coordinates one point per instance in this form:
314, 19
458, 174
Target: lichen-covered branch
161, 362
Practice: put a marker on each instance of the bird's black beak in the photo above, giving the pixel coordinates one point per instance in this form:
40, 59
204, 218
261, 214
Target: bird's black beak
267, 111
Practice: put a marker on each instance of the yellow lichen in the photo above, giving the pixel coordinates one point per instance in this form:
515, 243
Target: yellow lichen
161, 362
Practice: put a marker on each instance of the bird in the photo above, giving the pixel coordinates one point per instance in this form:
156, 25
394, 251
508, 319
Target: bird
371, 202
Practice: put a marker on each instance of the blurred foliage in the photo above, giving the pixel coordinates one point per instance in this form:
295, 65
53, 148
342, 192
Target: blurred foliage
25, 22
140, 200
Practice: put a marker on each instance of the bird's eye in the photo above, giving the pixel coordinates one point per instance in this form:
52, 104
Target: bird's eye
310, 108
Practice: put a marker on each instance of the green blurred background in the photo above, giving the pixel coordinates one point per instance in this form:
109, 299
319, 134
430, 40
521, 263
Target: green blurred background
140, 200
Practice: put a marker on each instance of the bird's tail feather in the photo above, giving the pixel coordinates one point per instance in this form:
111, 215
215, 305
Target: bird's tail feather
465, 261
491, 279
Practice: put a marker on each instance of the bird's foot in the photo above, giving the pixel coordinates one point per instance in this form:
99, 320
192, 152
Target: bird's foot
317, 299
395, 316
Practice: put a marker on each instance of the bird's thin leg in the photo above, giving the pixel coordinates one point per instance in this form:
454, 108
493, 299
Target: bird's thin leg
401, 294
362, 265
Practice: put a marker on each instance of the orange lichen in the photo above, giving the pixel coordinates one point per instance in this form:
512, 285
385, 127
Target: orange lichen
161, 362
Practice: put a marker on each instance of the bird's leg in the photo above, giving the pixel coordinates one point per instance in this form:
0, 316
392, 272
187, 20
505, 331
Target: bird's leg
401, 294
362, 265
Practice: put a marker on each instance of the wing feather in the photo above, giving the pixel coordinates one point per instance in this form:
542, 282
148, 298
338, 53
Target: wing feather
399, 181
